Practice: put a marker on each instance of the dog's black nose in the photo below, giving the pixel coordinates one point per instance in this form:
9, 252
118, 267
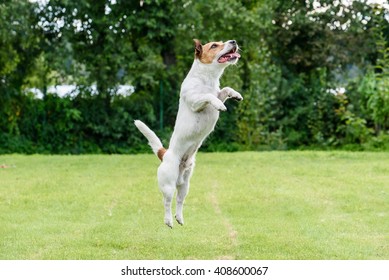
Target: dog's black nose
233, 42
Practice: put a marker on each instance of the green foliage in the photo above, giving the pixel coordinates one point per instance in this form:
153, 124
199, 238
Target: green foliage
353, 127
80, 125
379, 100
295, 56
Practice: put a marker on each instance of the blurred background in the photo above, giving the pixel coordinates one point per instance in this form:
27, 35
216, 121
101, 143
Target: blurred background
75, 74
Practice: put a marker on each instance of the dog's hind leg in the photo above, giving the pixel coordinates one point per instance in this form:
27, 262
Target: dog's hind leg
168, 192
182, 191
167, 178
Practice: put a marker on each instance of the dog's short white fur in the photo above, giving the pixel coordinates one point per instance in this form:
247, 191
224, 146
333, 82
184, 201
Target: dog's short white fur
201, 100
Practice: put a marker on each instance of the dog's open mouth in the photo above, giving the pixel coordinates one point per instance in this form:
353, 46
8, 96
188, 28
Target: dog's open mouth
230, 56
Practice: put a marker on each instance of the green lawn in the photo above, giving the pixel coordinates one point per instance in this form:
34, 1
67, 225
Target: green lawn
269, 205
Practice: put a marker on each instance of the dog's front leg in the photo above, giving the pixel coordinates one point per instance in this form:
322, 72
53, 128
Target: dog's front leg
198, 102
227, 93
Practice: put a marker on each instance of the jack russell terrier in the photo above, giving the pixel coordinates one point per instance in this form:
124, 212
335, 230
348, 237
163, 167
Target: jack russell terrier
201, 100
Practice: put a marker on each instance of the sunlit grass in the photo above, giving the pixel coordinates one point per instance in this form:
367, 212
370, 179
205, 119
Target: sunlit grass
272, 205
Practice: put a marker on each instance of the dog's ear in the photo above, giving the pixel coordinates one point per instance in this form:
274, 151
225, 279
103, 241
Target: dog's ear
198, 48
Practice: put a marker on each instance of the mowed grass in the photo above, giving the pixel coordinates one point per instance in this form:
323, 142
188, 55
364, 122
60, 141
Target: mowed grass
269, 205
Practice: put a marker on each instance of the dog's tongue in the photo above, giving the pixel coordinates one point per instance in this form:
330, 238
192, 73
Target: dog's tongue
228, 56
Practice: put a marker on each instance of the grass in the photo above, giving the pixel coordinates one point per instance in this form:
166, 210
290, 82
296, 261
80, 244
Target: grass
271, 205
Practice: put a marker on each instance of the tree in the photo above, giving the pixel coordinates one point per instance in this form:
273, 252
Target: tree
378, 101
315, 43
19, 46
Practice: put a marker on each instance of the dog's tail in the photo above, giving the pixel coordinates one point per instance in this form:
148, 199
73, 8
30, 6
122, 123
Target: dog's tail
154, 142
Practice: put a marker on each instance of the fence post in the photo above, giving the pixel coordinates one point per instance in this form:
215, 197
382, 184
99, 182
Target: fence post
161, 105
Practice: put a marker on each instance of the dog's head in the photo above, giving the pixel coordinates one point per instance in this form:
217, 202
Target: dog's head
217, 52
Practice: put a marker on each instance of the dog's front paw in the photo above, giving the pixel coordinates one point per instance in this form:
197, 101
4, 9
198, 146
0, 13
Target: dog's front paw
222, 108
219, 105
235, 95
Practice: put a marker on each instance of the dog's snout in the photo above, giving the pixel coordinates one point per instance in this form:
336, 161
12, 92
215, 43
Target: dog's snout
232, 42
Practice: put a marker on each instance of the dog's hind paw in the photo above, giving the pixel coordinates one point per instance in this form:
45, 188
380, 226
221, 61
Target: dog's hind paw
180, 220
169, 223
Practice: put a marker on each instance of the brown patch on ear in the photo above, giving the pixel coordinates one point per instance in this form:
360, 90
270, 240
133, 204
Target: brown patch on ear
161, 153
198, 48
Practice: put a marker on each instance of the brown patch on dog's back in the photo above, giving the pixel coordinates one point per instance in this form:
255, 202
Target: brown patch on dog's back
207, 53
161, 153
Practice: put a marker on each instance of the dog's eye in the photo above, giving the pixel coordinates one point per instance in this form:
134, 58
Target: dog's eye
214, 46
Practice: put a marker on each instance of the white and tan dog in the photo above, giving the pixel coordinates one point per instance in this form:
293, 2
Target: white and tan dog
200, 102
